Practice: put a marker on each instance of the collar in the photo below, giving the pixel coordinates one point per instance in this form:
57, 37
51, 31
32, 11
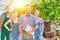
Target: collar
26, 15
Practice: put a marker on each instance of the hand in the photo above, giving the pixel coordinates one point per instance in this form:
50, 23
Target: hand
21, 38
29, 32
10, 29
41, 34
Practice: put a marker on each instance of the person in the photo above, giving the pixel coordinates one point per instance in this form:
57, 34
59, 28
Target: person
27, 21
14, 35
39, 31
5, 29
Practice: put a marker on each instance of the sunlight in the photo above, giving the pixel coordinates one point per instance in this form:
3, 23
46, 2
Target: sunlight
19, 4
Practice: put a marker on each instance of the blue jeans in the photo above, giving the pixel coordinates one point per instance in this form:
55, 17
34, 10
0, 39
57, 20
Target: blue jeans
36, 37
14, 35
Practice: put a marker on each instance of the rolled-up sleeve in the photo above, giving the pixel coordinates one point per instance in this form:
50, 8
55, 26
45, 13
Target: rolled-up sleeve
2, 16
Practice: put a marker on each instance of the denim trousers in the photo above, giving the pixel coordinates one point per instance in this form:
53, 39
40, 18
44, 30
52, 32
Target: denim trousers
14, 35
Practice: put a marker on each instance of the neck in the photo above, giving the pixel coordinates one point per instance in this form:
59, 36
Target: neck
36, 17
7, 12
27, 14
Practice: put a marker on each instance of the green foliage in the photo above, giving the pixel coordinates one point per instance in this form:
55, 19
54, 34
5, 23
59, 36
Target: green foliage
49, 9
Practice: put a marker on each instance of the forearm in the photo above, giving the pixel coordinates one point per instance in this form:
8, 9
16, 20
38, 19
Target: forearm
42, 25
6, 26
42, 30
34, 28
20, 32
20, 29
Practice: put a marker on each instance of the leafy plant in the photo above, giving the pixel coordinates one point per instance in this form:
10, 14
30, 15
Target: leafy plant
48, 9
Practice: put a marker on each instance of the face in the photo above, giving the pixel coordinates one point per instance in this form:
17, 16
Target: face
36, 13
28, 10
15, 14
7, 10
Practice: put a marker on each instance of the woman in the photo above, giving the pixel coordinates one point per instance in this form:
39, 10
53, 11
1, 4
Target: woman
14, 35
5, 30
39, 31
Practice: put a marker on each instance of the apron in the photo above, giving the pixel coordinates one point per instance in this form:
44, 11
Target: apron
38, 30
5, 32
15, 30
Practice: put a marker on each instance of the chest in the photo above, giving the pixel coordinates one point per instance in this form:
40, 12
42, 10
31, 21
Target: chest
28, 20
15, 20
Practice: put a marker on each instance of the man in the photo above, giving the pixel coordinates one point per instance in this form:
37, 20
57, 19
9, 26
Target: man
27, 20
5, 30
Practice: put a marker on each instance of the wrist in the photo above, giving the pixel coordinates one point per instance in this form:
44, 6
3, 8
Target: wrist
32, 30
8, 29
20, 34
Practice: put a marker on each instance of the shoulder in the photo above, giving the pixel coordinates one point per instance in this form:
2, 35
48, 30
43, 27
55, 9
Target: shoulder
21, 17
32, 16
2, 14
40, 18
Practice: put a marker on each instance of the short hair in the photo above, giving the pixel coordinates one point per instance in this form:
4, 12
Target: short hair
28, 5
7, 6
37, 11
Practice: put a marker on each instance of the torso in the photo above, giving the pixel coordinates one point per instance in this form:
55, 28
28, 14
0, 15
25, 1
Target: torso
28, 20
15, 21
5, 20
38, 30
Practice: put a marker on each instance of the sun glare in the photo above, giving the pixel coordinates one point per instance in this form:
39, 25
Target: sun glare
19, 4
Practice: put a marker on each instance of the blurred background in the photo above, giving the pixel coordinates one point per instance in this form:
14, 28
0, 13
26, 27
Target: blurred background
48, 10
